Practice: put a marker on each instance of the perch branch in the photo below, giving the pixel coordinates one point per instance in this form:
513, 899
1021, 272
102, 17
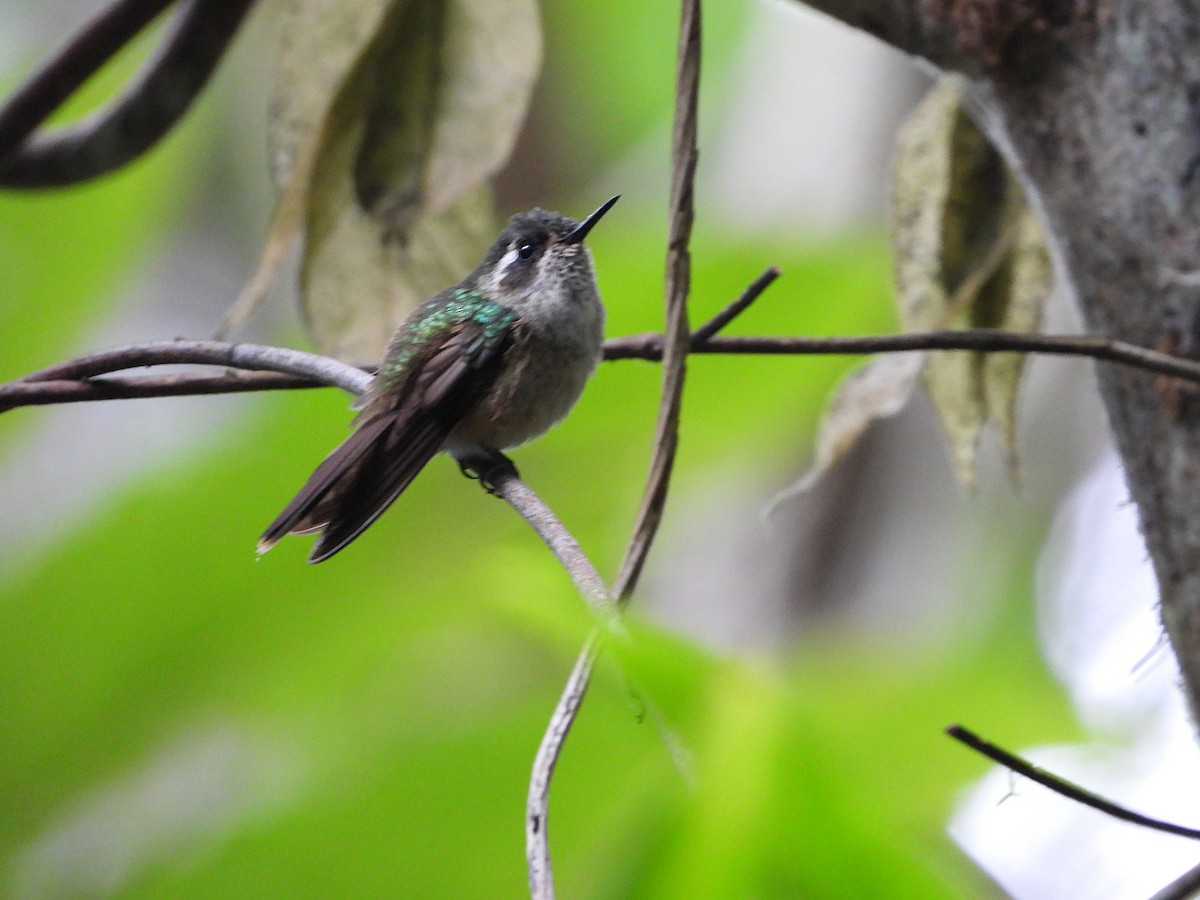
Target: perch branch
78, 380
44, 393
589, 583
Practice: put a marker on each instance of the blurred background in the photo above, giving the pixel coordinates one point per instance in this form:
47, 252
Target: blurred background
182, 719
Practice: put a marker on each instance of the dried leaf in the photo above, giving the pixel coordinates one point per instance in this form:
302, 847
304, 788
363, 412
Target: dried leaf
958, 220
388, 119
876, 390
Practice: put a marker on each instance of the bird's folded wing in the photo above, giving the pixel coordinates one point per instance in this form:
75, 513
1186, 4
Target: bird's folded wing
393, 441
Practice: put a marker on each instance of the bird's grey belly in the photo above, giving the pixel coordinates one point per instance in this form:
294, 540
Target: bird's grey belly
528, 398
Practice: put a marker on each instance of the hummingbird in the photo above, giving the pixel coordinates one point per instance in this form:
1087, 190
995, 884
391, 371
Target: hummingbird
486, 365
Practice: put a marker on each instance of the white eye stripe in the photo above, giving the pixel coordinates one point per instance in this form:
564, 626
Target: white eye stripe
506, 261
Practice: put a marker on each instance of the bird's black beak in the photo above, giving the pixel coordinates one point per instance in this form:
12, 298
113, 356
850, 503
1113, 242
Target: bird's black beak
581, 230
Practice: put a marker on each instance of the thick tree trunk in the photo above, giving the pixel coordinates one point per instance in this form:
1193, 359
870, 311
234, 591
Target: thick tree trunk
1096, 103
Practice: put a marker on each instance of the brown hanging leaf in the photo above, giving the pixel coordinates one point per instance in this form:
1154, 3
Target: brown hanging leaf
388, 119
963, 238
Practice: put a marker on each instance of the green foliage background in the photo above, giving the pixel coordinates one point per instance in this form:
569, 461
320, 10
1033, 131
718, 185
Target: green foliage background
180, 719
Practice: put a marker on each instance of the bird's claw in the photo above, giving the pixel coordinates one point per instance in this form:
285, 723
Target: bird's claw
487, 470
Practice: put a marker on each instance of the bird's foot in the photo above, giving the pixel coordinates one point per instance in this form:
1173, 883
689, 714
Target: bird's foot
487, 470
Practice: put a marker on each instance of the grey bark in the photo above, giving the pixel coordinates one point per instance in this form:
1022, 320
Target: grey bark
1096, 104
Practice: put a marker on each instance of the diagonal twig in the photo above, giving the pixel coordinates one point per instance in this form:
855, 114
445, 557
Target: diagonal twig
1063, 787
509, 487
736, 308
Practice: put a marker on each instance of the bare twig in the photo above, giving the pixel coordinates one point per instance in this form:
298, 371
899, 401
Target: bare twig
736, 308
537, 848
1062, 786
158, 97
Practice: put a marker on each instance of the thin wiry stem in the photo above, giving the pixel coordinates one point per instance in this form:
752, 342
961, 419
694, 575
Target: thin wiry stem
676, 342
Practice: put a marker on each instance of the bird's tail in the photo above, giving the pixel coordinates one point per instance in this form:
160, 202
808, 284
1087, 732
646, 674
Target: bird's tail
358, 481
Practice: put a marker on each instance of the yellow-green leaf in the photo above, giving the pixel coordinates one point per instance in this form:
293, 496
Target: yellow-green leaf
963, 238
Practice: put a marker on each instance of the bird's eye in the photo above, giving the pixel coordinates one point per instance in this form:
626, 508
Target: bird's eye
525, 251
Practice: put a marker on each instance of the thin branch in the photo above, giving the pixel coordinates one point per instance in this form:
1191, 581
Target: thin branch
736, 308
158, 97
984, 340
1062, 786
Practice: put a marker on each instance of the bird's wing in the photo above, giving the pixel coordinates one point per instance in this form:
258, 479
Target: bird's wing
394, 438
